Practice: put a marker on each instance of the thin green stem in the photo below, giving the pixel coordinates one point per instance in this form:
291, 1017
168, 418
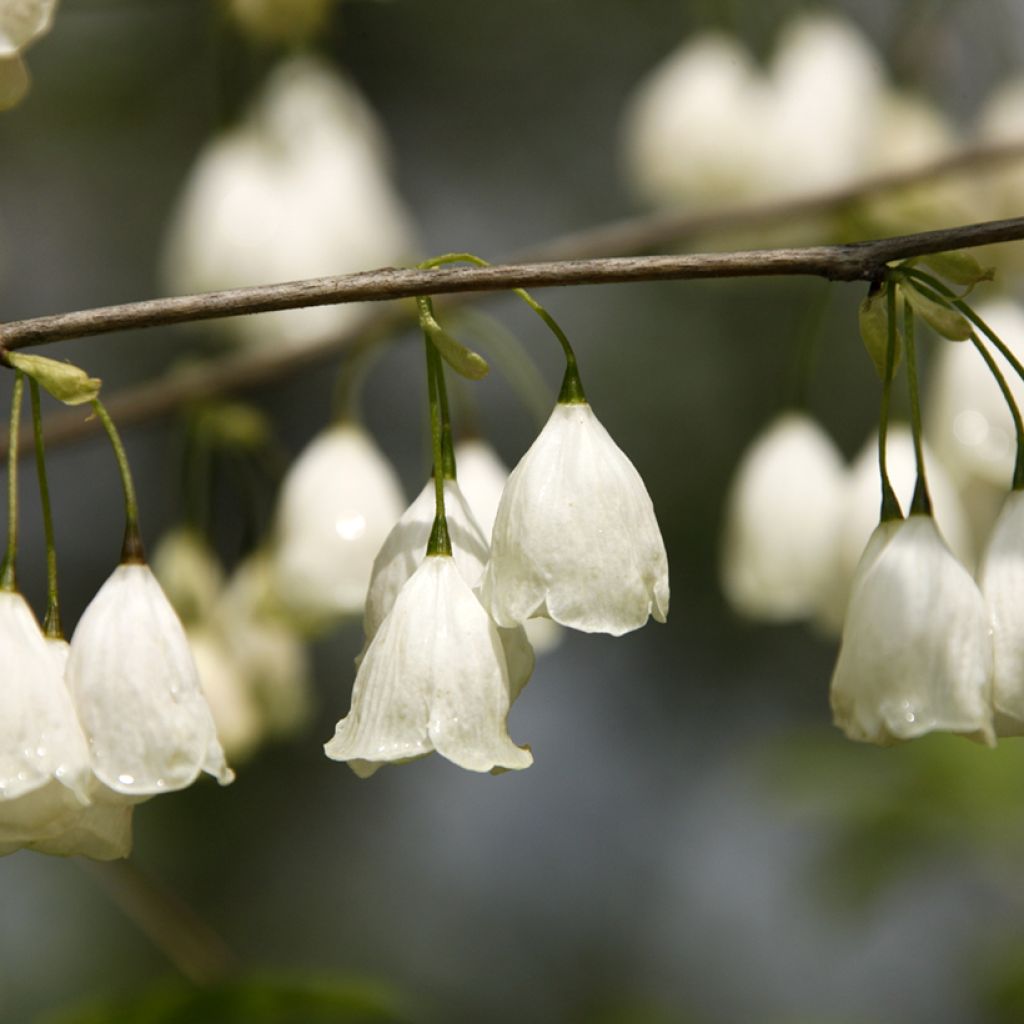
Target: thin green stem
132, 550
572, 392
1018, 423
8, 577
51, 621
890, 503
440, 542
922, 502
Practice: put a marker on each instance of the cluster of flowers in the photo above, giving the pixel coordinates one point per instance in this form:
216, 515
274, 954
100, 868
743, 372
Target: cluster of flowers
709, 126
928, 642
92, 728
573, 538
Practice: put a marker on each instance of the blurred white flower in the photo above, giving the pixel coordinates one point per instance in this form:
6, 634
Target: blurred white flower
781, 520
433, 678
859, 508
44, 761
269, 655
299, 190
1002, 583
280, 21
21, 21
576, 537
189, 572
916, 652
406, 547
336, 507
137, 692
694, 130
224, 686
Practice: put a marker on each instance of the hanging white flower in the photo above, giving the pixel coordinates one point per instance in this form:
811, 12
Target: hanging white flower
299, 190
189, 573
916, 652
337, 506
22, 21
576, 537
1002, 584
44, 760
269, 654
404, 550
135, 686
781, 519
433, 678
858, 515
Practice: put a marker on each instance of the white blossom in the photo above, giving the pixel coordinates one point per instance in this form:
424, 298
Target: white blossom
189, 573
1002, 583
781, 517
404, 550
337, 506
576, 537
299, 190
22, 21
858, 514
433, 678
135, 686
916, 652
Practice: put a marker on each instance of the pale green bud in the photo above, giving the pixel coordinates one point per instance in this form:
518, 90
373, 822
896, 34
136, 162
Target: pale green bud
67, 383
944, 320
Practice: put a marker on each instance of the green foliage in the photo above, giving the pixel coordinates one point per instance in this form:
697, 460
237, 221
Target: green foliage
263, 999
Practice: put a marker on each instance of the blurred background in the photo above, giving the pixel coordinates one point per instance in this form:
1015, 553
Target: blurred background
695, 841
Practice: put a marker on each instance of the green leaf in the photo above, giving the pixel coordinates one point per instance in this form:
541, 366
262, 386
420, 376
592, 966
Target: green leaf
942, 319
67, 383
958, 266
873, 317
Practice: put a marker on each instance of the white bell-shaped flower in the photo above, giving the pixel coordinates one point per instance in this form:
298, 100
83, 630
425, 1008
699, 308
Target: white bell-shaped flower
270, 656
403, 551
135, 686
101, 829
576, 537
299, 190
44, 760
694, 131
858, 515
337, 506
1002, 584
189, 572
781, 518
433, 678
21, 21
916, 652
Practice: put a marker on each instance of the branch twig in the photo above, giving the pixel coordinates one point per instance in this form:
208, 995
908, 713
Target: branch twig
860, 261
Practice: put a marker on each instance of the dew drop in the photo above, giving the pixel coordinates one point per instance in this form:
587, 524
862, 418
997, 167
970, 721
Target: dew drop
126, 780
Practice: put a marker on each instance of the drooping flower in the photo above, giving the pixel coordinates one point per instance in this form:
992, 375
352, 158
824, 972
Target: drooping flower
434, 677
576, 537
44, 760
21, 21
916, 651
858, 514
403, 551
299, 190
781, 520
1002, 584
137, 692
337, 505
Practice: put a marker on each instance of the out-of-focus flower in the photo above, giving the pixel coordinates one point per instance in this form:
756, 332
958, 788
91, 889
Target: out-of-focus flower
44, 760
189, 572
280, 21
137, 692
781, 520
916, 652
404, 550
337, 506
576, 538
299, 190
858, 514
433, 678
1002, 583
